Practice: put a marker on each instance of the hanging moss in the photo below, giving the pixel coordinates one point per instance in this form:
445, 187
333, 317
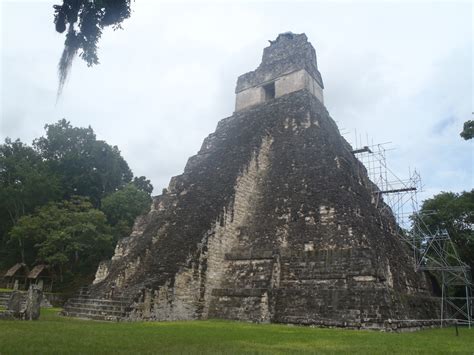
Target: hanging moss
84, 21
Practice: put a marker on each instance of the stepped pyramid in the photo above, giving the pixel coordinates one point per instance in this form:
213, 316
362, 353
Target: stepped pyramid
272, 221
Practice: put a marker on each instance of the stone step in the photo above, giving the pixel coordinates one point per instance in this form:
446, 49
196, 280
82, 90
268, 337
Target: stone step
122, 299
239, 292
249, 255
94, 306
85, 306
90, 316
5, 296
99, 301
94, 311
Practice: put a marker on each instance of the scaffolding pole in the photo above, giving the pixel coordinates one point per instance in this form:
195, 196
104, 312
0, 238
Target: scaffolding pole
433, 251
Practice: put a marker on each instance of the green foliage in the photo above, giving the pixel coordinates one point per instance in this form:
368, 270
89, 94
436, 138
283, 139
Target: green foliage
25, 180
85, 20
142, 183
69, 235
124, 206
53, 334
455, 213
468, 130
85, 165
68, 164
25, 183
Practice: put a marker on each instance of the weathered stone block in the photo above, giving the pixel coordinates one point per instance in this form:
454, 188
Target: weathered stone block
33, 303
15, 303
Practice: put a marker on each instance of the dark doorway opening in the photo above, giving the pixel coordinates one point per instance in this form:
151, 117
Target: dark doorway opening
269, 90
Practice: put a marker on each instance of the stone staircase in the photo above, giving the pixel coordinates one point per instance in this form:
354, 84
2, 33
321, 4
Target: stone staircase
4, 297
85, 306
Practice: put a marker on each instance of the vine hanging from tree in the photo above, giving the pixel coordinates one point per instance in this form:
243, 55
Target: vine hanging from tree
83, 22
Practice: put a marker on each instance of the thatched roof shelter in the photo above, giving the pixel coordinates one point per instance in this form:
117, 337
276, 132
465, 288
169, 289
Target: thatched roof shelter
19, 269
41, 270
41, 276
16, 276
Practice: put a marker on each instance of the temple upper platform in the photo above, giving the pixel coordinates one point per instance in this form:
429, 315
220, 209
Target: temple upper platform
289, 64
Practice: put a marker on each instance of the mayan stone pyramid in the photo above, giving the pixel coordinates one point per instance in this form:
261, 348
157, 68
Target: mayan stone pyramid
273, 220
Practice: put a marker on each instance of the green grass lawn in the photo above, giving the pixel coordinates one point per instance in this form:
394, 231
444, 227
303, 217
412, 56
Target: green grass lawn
57, 335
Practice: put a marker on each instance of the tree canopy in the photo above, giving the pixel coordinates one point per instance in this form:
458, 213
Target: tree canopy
68, 235
455, 213
25, 183
85, 165
25, 179
66, 199
123, 206
83, 22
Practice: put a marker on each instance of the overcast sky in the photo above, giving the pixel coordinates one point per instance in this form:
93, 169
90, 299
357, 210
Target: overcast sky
397, 72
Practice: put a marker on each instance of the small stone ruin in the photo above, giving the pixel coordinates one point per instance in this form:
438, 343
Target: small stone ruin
24, 306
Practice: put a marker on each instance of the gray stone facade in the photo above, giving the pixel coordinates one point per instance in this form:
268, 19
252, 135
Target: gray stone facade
272, 221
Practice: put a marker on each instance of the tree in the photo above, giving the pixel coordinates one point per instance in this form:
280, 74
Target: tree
68, 163
84, 21
71, 236
25, 183
468, 130
455, 213
85, 165
24, 179
142, 183
123, 207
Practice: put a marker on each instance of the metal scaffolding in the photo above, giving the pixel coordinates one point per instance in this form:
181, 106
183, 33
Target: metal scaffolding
433, 251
